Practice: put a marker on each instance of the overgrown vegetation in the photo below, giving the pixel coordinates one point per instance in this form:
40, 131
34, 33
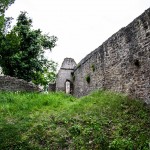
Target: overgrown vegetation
22, 53
100, 121
22, 49
4, 4
93, 67
88, 79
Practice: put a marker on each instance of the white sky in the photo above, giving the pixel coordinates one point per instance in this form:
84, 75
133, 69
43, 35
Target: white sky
80, 25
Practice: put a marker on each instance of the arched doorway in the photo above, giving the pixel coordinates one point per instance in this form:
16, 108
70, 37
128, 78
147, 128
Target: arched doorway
68, 87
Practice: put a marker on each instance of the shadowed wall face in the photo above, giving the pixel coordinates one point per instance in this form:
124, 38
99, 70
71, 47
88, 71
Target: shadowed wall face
122, 63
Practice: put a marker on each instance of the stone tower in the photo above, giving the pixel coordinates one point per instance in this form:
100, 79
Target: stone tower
64, 81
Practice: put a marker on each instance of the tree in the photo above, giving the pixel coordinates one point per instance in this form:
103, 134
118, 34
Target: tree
22, 52
4, 4
4, 22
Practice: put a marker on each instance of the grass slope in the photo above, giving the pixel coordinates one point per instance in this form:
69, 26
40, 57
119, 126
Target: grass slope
100, 121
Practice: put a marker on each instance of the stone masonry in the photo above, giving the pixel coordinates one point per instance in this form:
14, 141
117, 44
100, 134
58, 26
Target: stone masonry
121, 64
65, 74
8, 83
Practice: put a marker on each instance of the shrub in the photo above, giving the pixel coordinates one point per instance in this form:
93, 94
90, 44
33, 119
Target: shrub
93, 67
88, 79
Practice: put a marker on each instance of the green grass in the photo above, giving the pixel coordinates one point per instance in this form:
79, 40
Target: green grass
55, 121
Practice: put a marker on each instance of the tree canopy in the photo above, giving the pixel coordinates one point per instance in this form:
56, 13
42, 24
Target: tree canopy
4, 4
22, 52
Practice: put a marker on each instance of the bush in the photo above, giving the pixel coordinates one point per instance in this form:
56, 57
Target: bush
93, 67
88, 79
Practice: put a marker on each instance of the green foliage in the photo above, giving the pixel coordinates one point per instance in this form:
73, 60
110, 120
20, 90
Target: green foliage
2, 20
100, 121
93, 67
48, 75
22, 53
88, 79
121, 144
4, 4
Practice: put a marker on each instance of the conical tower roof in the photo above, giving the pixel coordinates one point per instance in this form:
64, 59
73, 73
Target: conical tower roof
68, 63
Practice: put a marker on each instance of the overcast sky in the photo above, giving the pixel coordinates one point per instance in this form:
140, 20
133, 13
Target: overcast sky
80, 25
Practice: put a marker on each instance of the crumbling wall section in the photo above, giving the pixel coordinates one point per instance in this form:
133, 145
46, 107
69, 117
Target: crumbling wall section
8, 83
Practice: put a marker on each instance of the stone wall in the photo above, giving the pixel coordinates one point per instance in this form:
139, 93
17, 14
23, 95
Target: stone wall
122, 63
52, 87
8, 83
65, 74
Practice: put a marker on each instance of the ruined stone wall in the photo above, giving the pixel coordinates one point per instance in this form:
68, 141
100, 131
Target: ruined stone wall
52, 87
122, 63
65, 73
8, 83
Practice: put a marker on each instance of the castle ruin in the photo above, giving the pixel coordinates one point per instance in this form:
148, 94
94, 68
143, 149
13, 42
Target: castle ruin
64, 81
120, 64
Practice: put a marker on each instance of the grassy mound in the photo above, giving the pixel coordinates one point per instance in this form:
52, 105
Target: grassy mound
100, 121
